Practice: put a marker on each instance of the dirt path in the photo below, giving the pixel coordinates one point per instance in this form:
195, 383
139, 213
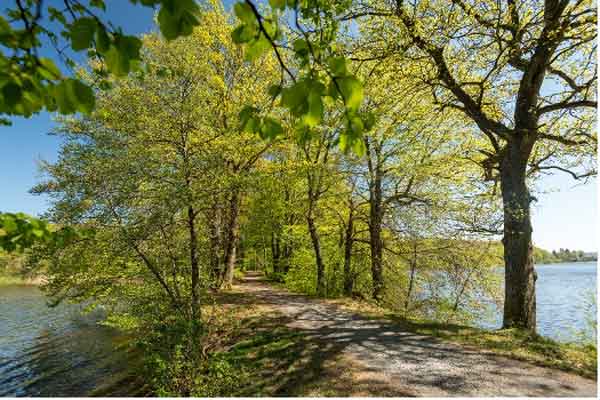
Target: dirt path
411, 364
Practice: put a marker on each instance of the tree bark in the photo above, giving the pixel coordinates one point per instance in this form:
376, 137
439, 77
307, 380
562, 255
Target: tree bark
276, 252
316, 242
232, 238
375, 219
215, 245
195, 271
520, 275
348, 242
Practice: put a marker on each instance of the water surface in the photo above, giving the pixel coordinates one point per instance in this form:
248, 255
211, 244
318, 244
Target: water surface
58, 351
563, 296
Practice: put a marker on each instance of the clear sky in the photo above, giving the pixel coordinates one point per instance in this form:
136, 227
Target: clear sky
565, 216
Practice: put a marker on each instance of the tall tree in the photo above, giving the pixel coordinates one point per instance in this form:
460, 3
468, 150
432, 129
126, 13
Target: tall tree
523, 72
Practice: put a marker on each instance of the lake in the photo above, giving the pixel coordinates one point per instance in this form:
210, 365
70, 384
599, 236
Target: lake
58, 352
562, 293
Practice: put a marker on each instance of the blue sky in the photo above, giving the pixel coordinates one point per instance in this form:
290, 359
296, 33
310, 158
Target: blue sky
565, 216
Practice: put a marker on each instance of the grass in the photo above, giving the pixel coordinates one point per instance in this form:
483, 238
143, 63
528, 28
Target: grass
513, 343
6, 280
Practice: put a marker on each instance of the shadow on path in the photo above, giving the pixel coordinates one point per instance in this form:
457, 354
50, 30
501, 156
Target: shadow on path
359, 356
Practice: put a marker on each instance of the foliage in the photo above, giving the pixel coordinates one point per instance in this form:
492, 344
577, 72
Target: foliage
202, 161
30, 83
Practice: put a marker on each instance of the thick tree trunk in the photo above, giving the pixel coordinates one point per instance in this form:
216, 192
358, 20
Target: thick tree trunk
195, 271
316, 242
348, 242
520, 276
232, 238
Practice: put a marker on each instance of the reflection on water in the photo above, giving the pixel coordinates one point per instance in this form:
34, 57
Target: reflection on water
58, 351
562, 292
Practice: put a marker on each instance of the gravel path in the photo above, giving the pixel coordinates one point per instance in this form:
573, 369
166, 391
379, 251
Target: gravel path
416, 365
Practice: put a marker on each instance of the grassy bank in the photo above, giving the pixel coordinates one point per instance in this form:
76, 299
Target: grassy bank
571, 357
6, 280
11, 280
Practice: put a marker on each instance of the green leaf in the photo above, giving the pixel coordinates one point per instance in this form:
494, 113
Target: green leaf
48, 69
84, 96
244, 33
119, 58
294, 98
338, 67
301, 49
315, 109
244, 12
102, 40
270, 128
356, 126
98, 4
81, 33
12, 93
352, 92
359, 147
178, 18
72, 95
257, 47
274, 91
248, 121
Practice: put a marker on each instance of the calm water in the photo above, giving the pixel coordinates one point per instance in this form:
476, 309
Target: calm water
57, 351
563, 292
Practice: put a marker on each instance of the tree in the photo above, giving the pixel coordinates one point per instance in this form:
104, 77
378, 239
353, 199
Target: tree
144, 166
498, 73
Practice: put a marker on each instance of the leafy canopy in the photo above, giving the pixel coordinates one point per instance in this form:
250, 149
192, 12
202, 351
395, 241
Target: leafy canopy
30, 83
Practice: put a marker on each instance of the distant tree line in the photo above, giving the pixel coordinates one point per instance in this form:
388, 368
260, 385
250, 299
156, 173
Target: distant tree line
563, 255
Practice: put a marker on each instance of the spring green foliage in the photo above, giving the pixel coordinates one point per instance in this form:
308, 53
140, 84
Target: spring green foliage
222, 145
30, 83
19, 231
321, 74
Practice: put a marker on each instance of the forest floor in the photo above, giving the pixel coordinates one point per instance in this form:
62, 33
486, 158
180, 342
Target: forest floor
302, 346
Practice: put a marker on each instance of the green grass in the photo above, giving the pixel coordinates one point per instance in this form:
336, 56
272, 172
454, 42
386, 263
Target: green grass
6, 280
514, 343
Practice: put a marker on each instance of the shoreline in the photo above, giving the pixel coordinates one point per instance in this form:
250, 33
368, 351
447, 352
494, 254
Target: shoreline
11, 280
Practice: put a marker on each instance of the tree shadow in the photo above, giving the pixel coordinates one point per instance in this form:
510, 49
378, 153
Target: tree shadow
307, 347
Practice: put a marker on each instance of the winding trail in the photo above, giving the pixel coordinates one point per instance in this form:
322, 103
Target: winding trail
412, 364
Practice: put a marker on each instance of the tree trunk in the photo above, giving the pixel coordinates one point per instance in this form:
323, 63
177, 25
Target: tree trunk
287, 256
316, 242
520, 276
195, 271
411, 280
375, 241
348, 242
215, 245
275, 252
232, 238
